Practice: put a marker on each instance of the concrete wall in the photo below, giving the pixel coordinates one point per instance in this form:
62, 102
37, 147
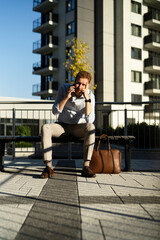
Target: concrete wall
105, 50
85, 28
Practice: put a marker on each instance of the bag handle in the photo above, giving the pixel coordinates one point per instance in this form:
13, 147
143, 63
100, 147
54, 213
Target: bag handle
99, 142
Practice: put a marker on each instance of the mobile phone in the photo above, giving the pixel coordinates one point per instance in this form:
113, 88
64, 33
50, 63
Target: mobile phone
73, 93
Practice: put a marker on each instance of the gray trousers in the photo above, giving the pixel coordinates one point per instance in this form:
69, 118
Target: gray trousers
83, 130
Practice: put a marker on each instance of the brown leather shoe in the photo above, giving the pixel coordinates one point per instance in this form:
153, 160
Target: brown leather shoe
87, 172
47, 173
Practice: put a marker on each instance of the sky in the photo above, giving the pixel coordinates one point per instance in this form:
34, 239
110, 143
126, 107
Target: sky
16, 41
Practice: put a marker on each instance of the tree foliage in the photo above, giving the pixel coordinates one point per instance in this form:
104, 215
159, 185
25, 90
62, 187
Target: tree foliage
76, 57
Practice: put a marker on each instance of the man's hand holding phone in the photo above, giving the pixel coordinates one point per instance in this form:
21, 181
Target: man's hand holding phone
71, 90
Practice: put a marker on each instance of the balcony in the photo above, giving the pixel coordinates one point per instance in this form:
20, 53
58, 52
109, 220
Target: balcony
44, 5
152, 42
49, 90
153, 3
46, 25
47, 48
152, 19
152, 65
152, 110
47, 69
152, 88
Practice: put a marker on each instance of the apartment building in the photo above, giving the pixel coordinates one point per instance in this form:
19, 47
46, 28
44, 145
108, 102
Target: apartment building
124, 37
59, 20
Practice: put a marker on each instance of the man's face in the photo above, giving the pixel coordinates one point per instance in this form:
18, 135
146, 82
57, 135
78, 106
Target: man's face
80, 86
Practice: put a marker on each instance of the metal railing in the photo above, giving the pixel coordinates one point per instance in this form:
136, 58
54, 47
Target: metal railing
154, 14
152, 61
51, 62
152, 84
37, 2
50, 85
38, 44
152, 38
51, 17
141, 120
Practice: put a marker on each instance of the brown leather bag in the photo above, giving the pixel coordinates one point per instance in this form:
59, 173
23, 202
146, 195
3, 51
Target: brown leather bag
106, 161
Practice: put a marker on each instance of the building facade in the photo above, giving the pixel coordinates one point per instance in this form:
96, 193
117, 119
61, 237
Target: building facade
124, 38
60, 20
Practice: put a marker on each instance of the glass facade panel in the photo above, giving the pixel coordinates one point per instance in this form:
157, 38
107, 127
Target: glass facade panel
70, 5
71, 28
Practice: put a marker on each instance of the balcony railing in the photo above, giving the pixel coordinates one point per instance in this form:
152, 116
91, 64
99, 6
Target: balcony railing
50, 44
37, 23
37, 45
43, 5
50, 85
44, 25
153, 3
152, 85
152, 65
152, 19
37, 2
152, 108
152, 61
152, 88
152, 15
152, 38
52, 62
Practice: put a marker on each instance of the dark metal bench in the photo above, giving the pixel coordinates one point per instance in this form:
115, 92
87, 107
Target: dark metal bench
126, 141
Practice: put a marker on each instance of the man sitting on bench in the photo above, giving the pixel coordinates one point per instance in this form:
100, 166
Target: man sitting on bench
75, 105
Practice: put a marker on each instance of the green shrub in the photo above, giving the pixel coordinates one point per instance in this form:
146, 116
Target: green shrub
23, 131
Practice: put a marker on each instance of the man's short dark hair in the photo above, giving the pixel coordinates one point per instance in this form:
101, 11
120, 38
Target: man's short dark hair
83, 74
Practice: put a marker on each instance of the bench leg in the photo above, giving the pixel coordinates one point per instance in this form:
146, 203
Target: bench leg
2, 149
128, 157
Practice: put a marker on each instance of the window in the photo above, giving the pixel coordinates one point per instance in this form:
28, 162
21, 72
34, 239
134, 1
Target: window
136, 53
136, 30
155, 78
69, 77
45, 17
135, 7
70, 28
155, 35
136, 76
70, 5
46, 81
136, 98
46, 60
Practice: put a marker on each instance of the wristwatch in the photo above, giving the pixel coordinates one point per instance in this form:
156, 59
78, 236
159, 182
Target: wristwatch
89, 100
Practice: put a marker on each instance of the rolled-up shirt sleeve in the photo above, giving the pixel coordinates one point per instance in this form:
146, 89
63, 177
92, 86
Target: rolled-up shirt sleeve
60, 96
91, 117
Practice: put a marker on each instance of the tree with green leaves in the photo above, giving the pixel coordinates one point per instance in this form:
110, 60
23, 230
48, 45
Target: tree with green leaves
76, 57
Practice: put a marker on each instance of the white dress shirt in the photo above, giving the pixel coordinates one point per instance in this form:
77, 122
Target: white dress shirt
74, 109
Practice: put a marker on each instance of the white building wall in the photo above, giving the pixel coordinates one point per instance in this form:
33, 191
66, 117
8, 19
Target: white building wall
108, 50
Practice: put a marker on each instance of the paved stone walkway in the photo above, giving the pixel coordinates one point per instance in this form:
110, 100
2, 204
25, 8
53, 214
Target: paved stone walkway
111, 207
